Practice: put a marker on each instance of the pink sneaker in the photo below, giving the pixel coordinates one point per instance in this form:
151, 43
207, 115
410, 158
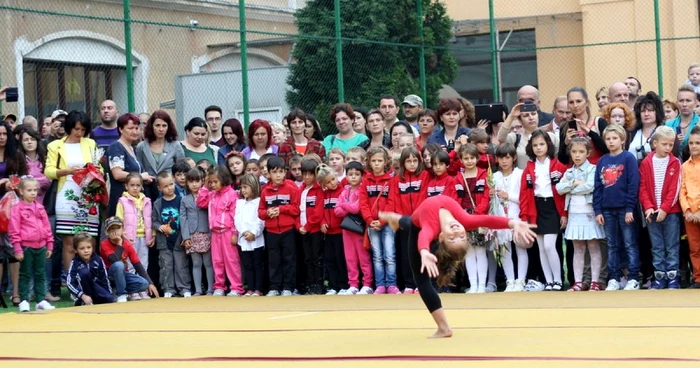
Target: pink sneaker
393, 290
380, 290
408, 291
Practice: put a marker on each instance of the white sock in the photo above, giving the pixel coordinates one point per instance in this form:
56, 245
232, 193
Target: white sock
550, 246
482, 266
492, 267
507, 263
523, 262
470, 262
546, 269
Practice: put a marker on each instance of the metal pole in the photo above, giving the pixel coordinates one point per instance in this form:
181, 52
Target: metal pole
339, 53
659, 67
421, 60
494, 54
129, 61
244, 64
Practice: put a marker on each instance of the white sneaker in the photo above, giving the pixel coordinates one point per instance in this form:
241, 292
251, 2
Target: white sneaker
186, 294
632, 285
233, 293
286, 293
351, 291
519, 286
135, 296
168, 295
366, 290
331, 292
44, 305
144, 295
534, 285
491, 288
24, 306
481, 290
613, 285
218, 292
510, 286
273, 293
122, 298
472, 290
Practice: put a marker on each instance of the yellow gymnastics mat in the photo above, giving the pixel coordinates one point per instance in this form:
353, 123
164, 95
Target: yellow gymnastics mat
545, 329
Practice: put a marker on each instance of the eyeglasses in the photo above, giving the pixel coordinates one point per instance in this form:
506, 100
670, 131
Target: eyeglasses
213, 119
516, 128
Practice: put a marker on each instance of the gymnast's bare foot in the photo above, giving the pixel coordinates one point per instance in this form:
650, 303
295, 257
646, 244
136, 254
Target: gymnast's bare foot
441, 333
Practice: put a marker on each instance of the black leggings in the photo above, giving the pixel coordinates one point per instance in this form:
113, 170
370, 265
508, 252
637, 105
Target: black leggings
425, 287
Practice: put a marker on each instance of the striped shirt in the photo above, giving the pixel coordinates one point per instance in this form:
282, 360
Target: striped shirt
660, 165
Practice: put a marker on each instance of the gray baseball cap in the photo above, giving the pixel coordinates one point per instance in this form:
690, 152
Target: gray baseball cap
413, 100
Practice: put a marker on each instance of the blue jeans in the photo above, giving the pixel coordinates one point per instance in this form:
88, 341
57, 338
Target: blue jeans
125, 282
383, 251
614, 223
665, 242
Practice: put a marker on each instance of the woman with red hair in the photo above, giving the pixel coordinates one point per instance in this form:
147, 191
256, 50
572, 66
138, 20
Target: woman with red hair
159, 150
259, 140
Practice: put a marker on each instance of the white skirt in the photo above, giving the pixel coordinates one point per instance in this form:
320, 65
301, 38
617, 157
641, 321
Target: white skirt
582, 226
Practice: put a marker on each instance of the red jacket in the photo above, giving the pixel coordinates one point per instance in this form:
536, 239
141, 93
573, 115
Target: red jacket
484, 160
371, 187
671, 189
314, 208
286, 198
440, 184
330, 199
480, 195
528, 211
406, 194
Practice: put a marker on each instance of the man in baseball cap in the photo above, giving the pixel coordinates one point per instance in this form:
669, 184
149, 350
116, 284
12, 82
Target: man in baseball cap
58, 117
412, 105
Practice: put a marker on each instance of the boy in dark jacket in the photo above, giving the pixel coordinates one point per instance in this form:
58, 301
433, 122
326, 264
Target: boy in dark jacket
87, 278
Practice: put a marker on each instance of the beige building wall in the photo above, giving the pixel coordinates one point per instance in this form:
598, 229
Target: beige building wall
170, 51
556, 23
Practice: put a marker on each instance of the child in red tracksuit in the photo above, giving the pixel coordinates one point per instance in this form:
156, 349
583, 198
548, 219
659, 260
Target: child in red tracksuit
333, 251
541, 204
356, 256
279, 207
220, 198
480, 139
308, 223
407, 190
374, 194
472, 192
440, 181
659, 189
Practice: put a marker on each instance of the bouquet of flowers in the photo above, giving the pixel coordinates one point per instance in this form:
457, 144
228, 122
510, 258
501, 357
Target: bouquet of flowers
497, 207
94, 188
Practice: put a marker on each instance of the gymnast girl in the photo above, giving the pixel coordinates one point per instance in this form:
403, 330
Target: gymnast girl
437, 245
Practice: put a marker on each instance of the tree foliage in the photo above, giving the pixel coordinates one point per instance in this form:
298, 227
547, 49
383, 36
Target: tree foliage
377, 58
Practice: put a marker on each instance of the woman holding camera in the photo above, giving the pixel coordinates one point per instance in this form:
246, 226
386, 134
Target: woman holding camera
583, 124
526, 114
649, 111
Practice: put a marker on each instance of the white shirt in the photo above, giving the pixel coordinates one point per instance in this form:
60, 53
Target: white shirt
510, 184
660, 165
543, 183
302, 206
639, 141
254, 155
246, 219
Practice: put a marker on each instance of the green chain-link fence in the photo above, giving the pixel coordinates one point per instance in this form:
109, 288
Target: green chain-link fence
186, 55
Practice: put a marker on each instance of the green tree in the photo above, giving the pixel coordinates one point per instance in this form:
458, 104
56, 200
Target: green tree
377, 58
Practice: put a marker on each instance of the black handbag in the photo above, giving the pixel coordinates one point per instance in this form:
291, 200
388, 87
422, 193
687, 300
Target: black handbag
353, 222
51, 193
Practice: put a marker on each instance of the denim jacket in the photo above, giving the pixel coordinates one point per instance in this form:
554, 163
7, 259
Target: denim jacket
586, 173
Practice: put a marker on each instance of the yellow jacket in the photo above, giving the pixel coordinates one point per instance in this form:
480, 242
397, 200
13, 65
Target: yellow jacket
690, 186
87, 146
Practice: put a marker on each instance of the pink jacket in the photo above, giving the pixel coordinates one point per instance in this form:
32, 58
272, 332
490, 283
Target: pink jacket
29, 227
36, 169
222, 207
348, 202
131, 216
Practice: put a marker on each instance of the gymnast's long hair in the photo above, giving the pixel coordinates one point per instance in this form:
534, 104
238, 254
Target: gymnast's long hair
448, 262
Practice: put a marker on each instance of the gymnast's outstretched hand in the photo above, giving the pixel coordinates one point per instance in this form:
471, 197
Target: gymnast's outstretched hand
428, 263
522, 231
391, 218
